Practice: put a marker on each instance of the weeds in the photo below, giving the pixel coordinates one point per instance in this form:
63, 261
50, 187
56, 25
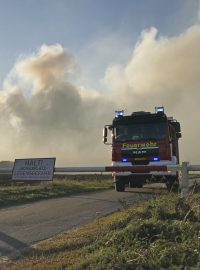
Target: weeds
163, 233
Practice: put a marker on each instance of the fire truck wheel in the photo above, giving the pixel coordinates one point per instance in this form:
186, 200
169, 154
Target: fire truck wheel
119, 184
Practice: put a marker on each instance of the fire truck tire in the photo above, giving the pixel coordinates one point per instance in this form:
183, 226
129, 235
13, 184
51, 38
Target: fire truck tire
119, 184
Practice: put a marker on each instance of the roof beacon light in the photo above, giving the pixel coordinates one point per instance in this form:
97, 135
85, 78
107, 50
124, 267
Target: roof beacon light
159, 109
119, 114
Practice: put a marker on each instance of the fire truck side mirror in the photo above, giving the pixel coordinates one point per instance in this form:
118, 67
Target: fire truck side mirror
105, 140
105, 134
177, 126
178, 135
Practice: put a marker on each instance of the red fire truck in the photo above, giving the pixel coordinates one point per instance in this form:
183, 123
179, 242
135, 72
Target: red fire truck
144, 138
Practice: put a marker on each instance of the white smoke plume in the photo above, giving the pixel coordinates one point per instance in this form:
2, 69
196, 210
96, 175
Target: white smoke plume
164, 71
42, 113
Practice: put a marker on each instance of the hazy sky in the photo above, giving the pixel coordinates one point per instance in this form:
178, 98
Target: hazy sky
66, 65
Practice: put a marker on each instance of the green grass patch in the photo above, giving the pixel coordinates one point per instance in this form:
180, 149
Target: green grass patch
14, 193
162, 233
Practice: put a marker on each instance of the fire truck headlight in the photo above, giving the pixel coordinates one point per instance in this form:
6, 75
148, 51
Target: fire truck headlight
155, 159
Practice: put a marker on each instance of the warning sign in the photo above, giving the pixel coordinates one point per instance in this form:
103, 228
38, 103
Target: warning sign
33, 169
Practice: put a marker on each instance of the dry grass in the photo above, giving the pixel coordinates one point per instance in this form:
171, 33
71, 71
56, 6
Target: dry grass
163, 233
18, 193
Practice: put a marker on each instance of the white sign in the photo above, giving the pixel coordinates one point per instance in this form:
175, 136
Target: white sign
39, 169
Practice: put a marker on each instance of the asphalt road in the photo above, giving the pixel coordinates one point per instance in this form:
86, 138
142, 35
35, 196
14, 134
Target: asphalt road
22, 226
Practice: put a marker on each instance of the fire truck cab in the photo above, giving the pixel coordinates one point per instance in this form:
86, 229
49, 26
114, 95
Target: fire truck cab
144, 138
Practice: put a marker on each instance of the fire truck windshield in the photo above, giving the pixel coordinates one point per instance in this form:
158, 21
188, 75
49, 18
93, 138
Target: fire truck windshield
144, 131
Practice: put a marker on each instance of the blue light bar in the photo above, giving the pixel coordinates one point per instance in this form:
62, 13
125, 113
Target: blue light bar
124, 159
119, 113
155, 158
159, 109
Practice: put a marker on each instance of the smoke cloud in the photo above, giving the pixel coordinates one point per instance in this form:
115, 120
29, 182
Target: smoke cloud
164, 71
43, 113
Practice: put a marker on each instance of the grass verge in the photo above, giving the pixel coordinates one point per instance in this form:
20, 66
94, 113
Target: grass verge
13, 194
163, 233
